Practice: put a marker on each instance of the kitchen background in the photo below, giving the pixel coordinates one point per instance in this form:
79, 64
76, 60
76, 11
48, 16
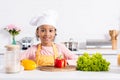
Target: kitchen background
78, 19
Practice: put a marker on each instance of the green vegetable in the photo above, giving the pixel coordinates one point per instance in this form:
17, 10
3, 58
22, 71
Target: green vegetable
92, 63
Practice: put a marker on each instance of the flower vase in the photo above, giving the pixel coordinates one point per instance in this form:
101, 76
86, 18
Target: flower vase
13, 40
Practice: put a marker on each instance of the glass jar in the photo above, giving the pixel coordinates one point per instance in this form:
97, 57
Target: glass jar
12, 60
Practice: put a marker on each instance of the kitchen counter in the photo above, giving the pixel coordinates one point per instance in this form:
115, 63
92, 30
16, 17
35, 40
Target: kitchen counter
113, 74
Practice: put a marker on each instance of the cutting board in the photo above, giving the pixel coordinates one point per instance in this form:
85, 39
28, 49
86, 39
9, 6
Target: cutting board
54, 69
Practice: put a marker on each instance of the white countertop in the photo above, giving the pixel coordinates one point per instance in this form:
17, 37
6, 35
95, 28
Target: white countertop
113, 74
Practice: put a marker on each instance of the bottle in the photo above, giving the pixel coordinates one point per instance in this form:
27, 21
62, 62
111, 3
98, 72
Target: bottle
12, 60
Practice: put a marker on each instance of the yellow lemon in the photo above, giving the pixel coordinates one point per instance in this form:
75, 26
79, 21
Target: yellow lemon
28, 64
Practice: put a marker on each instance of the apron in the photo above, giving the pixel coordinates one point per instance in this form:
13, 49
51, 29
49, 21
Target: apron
46, 60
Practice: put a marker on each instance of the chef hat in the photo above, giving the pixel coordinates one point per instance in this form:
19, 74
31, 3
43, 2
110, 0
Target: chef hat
48, 17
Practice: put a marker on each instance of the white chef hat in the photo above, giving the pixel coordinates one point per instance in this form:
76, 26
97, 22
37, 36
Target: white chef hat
48, 17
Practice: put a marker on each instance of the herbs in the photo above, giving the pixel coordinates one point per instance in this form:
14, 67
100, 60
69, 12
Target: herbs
92, 63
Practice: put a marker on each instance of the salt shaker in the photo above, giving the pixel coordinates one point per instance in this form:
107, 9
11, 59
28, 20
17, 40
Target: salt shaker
12, 61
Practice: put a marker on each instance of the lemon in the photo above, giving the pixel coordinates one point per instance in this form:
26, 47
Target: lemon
28, 64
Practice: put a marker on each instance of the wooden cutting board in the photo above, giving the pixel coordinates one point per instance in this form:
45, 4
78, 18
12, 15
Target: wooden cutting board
54, 69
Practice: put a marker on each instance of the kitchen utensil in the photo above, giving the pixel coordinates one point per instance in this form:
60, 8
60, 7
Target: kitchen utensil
73, 46
25, 42
113, 34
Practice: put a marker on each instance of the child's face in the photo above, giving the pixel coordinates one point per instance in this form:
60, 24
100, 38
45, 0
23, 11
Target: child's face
46, 33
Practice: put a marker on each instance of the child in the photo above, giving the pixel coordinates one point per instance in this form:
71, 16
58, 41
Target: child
46, 51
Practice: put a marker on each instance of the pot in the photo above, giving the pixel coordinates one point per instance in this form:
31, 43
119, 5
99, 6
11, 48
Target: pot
73, 46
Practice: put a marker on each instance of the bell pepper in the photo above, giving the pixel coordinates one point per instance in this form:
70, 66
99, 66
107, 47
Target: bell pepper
60, 62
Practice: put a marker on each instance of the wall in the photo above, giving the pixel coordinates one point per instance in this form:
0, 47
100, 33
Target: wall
79, 19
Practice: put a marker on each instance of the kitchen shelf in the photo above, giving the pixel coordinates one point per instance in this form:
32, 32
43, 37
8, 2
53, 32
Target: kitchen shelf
102, 51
